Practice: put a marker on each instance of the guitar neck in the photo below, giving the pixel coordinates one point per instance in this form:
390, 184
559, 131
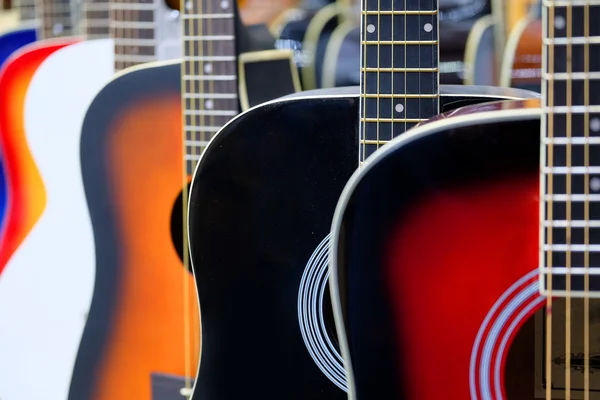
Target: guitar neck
132, 25
96, 19
209, 73
399, 69
57, 17
570, 152
27, 10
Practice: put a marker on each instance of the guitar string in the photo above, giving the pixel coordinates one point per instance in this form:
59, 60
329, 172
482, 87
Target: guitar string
548, 129
586, 205
569, 163
363, 89
405, 50
189, 9
378, 70
393, 16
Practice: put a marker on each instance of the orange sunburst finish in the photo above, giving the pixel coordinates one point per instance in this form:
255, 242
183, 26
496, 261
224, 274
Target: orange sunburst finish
527, 65
153, 322
26, 196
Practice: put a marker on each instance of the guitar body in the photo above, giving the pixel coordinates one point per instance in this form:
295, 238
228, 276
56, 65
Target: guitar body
267, 186
26, 198
13, 40
434, 259
130, 142
522, 62
51, 274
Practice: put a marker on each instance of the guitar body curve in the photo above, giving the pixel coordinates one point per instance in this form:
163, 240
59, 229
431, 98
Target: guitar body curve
267, 186
444, 268
13, 40
26, 194
522, 61
50, 275
131, 142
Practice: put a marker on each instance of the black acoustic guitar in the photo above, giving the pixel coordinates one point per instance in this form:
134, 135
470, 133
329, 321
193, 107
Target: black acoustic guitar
262, 201
454, 235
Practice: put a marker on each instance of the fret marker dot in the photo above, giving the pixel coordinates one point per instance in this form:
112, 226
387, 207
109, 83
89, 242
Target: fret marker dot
208, 68
174, 14
559, 22
57, 29
189, 5
208, 104
224, 4
595, 124
370, 28
595, 184
399, 107
428, 27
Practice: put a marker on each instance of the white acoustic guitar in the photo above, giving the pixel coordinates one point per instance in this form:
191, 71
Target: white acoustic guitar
47, 285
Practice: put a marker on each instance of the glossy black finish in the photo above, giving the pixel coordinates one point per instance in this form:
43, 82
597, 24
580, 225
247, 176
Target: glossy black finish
428, 166
261, 201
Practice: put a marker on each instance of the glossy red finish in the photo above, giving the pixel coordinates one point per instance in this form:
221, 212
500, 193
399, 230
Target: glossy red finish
449, 262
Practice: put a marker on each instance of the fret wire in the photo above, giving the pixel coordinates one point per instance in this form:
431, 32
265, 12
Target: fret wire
571, 40
400, 42
398, 69
396, 96
378, 119
399, 12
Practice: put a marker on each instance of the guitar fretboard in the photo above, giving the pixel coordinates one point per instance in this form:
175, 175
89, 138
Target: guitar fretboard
57, 18
399, 69
209, 73
570, 169
27, 10
132, 25
96, 19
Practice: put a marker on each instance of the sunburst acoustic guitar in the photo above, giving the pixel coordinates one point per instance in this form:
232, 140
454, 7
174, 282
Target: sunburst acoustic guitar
61, 236
263, 197
450, 238
148, 127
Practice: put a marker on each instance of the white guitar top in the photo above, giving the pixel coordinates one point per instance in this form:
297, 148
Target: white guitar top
46, 288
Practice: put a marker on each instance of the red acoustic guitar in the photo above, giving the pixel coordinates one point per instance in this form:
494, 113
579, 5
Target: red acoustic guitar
453, 235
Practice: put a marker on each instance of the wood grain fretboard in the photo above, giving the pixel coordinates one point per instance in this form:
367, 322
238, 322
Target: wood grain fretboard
132, 25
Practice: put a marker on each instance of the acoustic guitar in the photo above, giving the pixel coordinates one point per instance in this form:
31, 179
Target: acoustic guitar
148, 126
61, 235
452, 236
20, 273
261, 204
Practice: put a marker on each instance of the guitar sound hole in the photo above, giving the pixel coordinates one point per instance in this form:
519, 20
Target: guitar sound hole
177, 226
